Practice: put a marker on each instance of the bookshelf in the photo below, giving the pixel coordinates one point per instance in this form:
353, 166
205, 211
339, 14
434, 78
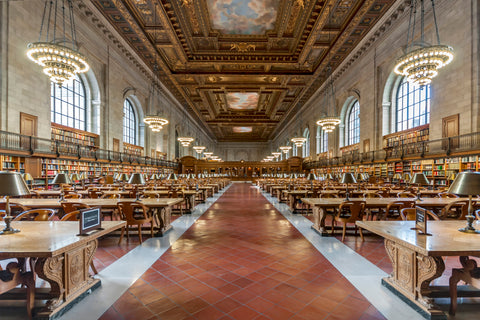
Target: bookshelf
73, 136
410, 140
132, 149
10, 163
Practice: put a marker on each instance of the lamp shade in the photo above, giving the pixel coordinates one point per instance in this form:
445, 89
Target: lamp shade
74, 177
397, 176
419, 178
27, 177
348, 178
12, 184
61, 178
466, 183
407, 177
154, 176
311, 176
452, 176
136, 178
329, 176
122, 177
172, 176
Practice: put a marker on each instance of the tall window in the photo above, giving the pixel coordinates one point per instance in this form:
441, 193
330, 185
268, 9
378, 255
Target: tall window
68, 105
129, 123
324, 147
413, 105
353, 127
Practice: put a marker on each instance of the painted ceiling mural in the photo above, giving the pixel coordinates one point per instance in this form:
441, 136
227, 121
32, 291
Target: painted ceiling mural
251, 17
242, 129
244, 63
242, 101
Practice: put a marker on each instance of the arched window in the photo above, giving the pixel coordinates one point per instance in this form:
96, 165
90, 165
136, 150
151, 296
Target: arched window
306, 146
353, 124
68, 104
129, 123
324, 142
413, 106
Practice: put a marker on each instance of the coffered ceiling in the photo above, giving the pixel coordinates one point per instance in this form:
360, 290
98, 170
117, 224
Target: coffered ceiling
240, 66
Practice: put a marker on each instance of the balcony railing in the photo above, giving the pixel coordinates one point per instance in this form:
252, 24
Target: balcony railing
434, 148
39, 146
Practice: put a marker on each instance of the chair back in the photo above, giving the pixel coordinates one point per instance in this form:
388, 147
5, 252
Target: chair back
394, 207
405, 194
73, 206
328, 195
72, 195
72, 216
456, 210
409, 214
36, 215
94, 194
352, 209
446, 195
129, 211
372, 195
111, 196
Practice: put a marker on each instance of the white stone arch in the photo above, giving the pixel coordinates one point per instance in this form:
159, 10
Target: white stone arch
139, 115
93, 101
389, 103
347, 106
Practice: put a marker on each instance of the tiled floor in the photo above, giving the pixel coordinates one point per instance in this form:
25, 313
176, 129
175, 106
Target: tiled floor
242, 260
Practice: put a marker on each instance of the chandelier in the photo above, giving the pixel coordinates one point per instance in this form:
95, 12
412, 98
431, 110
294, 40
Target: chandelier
285, 149
185, 141
299, 141
57, 51
199, 149
208, 154
276, 154
329, 124
155, 123
421, 65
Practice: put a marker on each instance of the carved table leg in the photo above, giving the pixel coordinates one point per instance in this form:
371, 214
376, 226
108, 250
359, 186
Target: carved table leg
412, 274
165, 216
52, 270
319, 220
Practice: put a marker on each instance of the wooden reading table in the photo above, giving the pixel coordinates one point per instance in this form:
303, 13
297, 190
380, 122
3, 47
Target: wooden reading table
62, 258
417, 259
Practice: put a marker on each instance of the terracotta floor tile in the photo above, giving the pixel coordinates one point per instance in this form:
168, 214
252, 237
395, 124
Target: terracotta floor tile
209, 313
227, 305
243, 313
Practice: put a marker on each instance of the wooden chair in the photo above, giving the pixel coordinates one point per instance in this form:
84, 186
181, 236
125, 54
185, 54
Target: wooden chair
406, 194
456, 210
385, 193
392, 212
470, 274
12, 277
36, 215
72, 195
369, 211
94, 194
408, 214
446, 195
150, 196
349, 212
68, 207
178, 194
15, 208
135, 214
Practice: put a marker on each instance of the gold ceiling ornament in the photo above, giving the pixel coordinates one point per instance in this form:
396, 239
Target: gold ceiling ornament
420, 65
199, 149
242, 47
56, 51
299, 141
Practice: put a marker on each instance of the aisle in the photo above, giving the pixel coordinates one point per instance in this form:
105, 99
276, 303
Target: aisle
242, 260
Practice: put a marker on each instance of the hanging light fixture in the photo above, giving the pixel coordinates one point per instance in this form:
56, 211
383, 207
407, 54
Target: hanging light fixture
56, 51
208, 154
185, 141
299, 141
155, 122
420, 65
199, 149
285, 149
276, 154
330, 121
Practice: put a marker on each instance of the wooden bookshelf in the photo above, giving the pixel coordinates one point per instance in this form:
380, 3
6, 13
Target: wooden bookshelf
410, 139
132, 149
74, 136
10, 163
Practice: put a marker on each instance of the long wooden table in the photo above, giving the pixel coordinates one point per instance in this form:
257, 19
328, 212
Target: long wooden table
320, 204
62, 258
417, 259
161, 206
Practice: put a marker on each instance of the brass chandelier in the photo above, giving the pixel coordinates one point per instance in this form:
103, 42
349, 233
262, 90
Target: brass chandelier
421, 65
199, 149
56, 51
285, 149
185, 141
329, 123
155, 122
299, 141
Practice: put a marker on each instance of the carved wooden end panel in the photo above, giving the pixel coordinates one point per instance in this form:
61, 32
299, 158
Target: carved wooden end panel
77, 263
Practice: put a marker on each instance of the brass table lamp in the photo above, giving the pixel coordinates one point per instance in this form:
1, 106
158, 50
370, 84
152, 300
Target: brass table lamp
11, 184
348, 178
419, 179
467, 184
136, 179
311, 177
